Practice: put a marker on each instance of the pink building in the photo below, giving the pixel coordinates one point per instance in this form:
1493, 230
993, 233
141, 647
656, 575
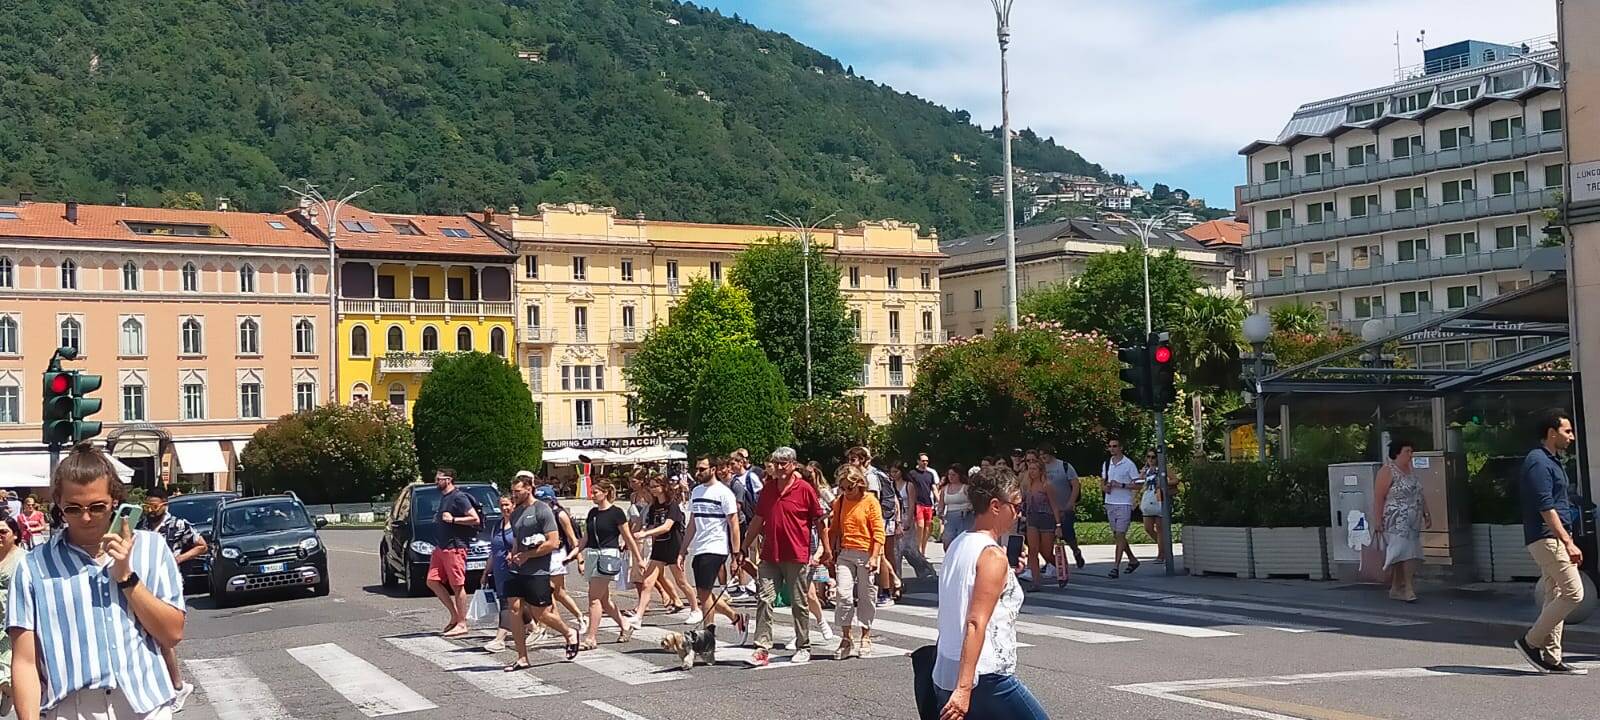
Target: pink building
203, 325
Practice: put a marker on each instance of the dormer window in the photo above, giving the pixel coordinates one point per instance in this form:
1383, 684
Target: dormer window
1365, 112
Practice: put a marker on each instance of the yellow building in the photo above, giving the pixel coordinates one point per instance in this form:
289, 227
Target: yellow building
590, 285
411, 286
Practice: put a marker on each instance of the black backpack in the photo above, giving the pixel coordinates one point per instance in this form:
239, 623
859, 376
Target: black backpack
888, 500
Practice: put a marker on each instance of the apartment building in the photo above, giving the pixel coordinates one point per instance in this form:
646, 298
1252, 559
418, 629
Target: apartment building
203, 326
973, 292
590, 285
1413, 199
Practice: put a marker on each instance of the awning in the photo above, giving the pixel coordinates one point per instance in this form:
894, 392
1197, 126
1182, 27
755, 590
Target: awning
32, 469
199, 457
238, 448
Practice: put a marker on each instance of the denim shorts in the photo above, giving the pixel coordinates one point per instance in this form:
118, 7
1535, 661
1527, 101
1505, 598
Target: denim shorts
999, 696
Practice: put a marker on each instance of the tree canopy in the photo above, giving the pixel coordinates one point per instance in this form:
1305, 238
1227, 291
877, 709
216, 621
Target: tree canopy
332, 454
1108, 297
474, 413
673, 356
824, 428
772, 275
739, 402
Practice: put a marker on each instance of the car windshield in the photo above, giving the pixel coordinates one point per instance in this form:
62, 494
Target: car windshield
198, 511
425, 501
264, 518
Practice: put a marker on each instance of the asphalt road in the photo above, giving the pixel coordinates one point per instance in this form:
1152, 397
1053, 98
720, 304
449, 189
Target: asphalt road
1133, 648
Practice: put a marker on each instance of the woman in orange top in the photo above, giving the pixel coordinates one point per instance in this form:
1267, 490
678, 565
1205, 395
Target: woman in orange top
855, 543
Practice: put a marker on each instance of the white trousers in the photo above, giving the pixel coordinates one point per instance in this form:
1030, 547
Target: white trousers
101, 705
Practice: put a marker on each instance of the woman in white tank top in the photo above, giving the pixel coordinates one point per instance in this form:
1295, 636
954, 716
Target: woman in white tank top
975, 670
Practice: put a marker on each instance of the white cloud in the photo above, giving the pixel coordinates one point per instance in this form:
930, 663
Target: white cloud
1143, 86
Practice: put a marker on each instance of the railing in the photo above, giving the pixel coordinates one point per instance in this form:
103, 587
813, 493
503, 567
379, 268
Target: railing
864, 336
626, 335
1473, 154
583, 430
1510, 259
1394, 322
926, 337
1518, 201
672, 287
405, 363
894, 337
897, 378
538, 335
580, 334
384, 306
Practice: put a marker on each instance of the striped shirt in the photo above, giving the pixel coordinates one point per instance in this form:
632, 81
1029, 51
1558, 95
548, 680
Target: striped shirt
87, 636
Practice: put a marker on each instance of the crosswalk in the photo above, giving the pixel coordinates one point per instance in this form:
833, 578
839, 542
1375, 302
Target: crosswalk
344, 675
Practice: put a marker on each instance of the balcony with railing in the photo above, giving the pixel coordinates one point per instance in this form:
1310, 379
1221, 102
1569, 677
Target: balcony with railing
864, 337
580, 334
673, 287
626, 335
448, 308
537, 335
928, 337
895, 337
1521, 200
1420, 269
897, 378
402, 362
1513, 148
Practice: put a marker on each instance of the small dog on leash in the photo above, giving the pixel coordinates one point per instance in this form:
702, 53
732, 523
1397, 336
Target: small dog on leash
695, 646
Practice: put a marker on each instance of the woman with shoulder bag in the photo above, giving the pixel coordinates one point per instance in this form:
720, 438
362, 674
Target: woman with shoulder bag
604, 535
1152, 504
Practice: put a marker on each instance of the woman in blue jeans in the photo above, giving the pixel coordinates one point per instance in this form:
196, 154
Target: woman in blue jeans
975, 671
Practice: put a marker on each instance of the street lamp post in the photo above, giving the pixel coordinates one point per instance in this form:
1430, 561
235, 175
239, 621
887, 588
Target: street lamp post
312, 198
1257, 328
804, 231
1002, 21
1143, 228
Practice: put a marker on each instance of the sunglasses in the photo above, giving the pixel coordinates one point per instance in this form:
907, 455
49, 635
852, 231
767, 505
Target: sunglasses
95, 509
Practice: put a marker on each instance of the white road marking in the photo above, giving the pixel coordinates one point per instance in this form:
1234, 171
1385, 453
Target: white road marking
358, 552
728, 652
613, 710
1216, 617
479, 669
372, 691
621, 667
1097, 619
233, 692
1025, 628
1170, 599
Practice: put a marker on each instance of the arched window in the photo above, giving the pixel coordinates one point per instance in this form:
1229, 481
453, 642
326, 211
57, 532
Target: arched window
191, 277
430, 339
305, 337
464, 340
358, 341
130, 276
359, 394
396, 342
7, 277
249, 337
397, 396
192, 336
72, 334
247, 278
132, 337
497, 341
69, 275
9, 336
302, 280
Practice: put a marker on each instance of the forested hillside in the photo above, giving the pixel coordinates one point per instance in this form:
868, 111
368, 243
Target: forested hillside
652, 106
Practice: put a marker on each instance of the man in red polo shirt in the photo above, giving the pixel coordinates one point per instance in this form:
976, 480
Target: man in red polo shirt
788, 510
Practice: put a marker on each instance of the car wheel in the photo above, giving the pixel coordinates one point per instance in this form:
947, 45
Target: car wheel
386, 577
416, 585
321, 588
221, 598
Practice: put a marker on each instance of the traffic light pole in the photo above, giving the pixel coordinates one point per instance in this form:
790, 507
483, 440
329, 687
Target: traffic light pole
1166, 496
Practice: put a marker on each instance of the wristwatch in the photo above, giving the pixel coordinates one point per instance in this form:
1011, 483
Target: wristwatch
133, 579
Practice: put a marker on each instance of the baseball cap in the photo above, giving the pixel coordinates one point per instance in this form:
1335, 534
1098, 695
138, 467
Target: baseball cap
545, 492
524, 474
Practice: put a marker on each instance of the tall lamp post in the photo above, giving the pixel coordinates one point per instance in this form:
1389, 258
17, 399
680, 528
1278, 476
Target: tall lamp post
316, 203
804, 231
1002, 24
1257, 328
1143, 227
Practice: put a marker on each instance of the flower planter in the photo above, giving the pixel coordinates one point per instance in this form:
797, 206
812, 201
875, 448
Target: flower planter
1293, 552
1482, 553
1217, 551
1511, 560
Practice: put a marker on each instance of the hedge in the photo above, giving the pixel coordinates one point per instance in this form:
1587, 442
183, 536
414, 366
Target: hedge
1276, 493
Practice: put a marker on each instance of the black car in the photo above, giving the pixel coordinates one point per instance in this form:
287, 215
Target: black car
407, 543
200, 510
265, 543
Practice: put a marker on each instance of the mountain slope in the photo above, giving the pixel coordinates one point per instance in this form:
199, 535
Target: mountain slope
652, 106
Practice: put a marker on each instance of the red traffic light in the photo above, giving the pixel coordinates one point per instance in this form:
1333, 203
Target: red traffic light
59, 383
1163, 355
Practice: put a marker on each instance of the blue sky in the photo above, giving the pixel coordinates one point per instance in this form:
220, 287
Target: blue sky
1160, 90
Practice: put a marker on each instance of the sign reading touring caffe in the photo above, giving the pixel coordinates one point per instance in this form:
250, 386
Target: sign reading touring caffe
604, 443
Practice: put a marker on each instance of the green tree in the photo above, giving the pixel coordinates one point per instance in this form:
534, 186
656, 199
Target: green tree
474, 413
772, 275
1299, 318
1208, 339
673, 356
824, 428
1108, 297
333, 453
739, 402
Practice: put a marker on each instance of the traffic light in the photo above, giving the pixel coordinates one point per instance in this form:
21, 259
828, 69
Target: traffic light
1162, 380
67, 403
1136, 375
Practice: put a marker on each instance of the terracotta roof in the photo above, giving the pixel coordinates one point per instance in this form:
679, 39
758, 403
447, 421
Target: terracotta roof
111, 222
378, 233
1224, 232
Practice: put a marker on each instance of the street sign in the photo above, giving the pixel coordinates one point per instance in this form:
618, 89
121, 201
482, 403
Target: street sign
1585, 182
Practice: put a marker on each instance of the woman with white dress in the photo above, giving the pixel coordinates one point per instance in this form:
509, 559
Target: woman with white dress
1400, 516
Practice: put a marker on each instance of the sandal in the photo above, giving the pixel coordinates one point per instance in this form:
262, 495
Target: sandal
519, 665
587, 645
572, 647
1114, 573
1133, 566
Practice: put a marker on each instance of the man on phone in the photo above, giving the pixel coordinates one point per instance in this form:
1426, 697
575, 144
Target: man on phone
187, 544
89, 594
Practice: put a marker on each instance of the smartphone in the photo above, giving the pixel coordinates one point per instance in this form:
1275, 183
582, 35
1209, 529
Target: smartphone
127, 516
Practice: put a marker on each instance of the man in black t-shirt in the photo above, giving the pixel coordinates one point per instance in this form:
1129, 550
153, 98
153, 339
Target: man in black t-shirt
456, 525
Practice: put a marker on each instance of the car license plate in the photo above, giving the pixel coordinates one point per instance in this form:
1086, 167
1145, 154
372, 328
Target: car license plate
476, 564
274, 567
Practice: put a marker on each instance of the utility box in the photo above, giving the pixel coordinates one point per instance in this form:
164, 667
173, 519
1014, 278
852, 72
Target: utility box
1351, 488
1447, 545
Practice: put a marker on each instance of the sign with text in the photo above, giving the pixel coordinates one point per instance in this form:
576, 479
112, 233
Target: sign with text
602, 443
1585, 181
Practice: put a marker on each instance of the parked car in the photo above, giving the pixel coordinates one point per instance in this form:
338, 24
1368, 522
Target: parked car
265, 543
200, 510
407, 542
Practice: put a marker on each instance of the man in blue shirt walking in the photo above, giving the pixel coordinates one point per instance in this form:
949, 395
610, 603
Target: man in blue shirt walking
1548, 515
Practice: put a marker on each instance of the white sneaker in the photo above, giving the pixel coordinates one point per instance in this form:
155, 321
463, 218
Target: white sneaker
827, 632
183, 696
695, 617
1049, 571
800, 657
1026, 576
495, 646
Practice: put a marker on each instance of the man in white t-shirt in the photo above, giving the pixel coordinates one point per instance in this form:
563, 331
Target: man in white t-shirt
713, 539
1119, 482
